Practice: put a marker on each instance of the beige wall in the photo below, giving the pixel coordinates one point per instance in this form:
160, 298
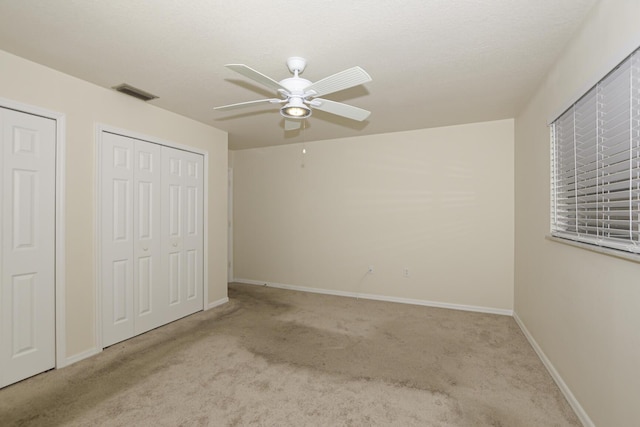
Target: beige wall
437, 201
85, 105
582, 308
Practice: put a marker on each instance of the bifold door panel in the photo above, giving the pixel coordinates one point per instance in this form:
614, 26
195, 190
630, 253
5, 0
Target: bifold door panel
182, 226
117, 237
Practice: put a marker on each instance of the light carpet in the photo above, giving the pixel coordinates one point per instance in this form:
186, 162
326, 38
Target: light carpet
273, 357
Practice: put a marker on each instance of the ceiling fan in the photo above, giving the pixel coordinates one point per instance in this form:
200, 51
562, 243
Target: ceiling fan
300, 95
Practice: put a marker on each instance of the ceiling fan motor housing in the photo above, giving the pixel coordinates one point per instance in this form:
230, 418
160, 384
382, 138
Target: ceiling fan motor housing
295, 85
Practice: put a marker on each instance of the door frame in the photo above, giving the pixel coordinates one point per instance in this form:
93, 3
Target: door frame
230, 274
59, 250
100, 129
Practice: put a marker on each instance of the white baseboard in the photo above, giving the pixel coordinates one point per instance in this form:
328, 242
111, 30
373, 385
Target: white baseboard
577, 408
93, 351
80, 356
217, 303
462, 307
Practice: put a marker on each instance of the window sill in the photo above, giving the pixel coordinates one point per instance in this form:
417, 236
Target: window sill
599, 249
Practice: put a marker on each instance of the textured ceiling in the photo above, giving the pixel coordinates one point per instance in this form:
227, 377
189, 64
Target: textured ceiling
433, 62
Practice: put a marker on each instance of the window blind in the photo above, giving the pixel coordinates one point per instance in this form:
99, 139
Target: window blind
595, 155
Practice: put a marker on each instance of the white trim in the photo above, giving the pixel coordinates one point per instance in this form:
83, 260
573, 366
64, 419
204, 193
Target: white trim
60, 239
217, 303
97, 167
564, 388
205, 230
474, 308
629, 256
100, 128
61, 306
230, 225
143, 137
81, 356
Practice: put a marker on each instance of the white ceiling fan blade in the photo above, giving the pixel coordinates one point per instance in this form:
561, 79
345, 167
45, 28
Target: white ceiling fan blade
343, 80
292, 124
255, 76
340, 109
248, 103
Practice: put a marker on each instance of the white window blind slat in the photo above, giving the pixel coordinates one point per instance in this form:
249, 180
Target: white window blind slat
595, 154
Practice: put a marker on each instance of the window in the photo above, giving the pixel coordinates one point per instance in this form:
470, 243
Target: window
595, 171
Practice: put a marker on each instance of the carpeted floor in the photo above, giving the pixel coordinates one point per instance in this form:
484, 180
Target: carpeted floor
272, 357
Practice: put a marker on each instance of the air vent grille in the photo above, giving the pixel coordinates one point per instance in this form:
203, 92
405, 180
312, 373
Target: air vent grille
134, 91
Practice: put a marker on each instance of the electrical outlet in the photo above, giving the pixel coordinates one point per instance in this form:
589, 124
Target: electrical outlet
405, 272
370, 270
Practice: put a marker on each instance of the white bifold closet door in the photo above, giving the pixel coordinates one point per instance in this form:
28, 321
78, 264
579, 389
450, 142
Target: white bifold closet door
27, 290
151, 234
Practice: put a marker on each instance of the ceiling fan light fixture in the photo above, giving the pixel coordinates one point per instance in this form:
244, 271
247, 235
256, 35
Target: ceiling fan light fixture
295, 109
295, 112
300, 96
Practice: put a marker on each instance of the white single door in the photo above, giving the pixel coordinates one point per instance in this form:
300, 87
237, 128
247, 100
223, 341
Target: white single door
27, 291
182, 229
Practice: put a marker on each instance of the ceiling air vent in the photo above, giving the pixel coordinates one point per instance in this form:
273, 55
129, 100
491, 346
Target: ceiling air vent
134, 91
